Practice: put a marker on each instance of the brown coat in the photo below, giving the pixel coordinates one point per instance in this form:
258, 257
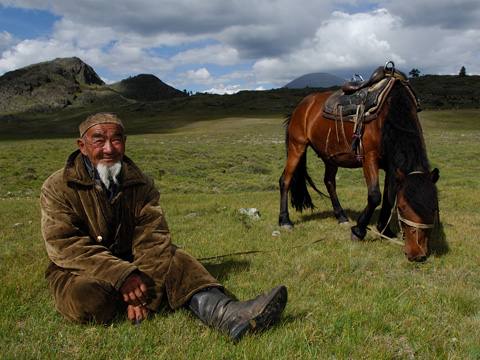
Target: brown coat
80, 238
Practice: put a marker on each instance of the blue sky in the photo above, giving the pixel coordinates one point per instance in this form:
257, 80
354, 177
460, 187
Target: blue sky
225, 46
26, 24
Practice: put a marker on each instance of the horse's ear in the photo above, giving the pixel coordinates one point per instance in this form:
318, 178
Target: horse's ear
400, 175
434, 175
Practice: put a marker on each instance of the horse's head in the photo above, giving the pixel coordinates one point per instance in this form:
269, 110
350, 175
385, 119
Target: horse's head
417, 206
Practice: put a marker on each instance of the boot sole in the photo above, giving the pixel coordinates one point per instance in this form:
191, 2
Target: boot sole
267, 317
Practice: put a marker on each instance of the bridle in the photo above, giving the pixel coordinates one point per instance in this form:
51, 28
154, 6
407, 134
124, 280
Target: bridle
412, 223
415, 226
407, 222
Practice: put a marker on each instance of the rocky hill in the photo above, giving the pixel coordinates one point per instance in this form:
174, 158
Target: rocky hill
69, 82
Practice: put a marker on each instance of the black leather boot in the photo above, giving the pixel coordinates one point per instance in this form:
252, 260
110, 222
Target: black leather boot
216, 309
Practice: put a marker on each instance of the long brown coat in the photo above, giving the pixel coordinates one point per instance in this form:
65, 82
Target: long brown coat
79, 225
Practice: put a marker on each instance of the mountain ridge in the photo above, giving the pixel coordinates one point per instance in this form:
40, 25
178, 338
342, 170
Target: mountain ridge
69, 82
55, 102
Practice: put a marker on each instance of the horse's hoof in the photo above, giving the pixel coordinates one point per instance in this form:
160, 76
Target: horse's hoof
344, 222
354, 237
357, 234
287, 227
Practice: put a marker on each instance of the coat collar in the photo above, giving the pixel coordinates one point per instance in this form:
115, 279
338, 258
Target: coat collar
75, 171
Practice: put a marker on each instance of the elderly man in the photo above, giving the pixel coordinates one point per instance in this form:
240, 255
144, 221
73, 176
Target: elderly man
110, 249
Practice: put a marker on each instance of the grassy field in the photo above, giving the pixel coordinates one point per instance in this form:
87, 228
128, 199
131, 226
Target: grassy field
346, 300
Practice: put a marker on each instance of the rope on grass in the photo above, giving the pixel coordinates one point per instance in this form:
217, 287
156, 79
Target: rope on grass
264, 251
395, 241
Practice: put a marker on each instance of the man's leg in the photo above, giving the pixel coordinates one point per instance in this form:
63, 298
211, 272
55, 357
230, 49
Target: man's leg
185, 277
83, 299
188, 282
237, 318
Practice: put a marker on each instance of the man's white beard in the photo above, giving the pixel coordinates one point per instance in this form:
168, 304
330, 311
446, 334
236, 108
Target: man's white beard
109, 174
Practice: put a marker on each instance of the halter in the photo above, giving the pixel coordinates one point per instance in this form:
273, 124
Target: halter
407, 222
414, 224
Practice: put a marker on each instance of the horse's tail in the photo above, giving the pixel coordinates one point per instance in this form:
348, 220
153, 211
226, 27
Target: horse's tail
300, 198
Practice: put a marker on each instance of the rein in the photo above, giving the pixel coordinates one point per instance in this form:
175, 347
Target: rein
263, 251
395, 241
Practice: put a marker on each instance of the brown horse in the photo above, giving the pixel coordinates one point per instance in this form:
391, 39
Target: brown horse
392, 142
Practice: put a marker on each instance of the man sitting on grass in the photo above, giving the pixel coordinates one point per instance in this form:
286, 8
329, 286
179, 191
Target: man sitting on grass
110, 249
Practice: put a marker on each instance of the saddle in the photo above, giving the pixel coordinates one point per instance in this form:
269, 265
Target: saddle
379, 74
362, 99
359, 102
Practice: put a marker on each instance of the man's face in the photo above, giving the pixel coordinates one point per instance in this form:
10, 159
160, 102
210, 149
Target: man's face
103, 144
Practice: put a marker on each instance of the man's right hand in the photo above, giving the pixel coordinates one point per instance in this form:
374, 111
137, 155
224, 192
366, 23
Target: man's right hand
137, 313
134, 290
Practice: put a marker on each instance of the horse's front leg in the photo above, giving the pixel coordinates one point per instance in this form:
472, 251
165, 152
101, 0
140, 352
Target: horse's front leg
370, 171
385, 217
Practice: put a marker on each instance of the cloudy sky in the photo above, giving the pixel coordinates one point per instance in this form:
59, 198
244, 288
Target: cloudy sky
224, 46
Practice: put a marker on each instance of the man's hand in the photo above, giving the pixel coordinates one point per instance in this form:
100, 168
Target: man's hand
137, 313
134, 291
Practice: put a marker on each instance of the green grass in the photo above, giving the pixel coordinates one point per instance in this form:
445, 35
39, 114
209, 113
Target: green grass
346, 299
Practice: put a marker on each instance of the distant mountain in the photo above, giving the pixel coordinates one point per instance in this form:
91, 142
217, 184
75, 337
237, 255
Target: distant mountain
146, 87
69, 82
315, 80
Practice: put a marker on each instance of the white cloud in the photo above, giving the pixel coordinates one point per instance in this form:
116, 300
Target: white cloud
6, 41
201, 76
445, 14
83, 36
214, 54
342, 42
364, 41
21, 54
247, 44
231, 89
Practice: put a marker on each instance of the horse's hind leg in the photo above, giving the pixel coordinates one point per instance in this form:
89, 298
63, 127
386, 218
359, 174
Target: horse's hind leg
295, 153
284, 218
331, 185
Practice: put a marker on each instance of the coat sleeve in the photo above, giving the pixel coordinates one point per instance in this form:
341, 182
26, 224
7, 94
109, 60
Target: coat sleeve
69, 245
152, 247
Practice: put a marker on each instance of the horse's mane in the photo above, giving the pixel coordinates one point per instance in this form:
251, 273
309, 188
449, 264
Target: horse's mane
421, 194
403, 149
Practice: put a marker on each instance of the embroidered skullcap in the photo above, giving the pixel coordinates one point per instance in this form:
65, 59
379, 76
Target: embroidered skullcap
100, 118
